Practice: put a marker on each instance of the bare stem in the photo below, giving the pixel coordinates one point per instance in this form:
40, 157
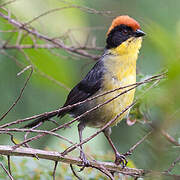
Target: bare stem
19, 97
56, 156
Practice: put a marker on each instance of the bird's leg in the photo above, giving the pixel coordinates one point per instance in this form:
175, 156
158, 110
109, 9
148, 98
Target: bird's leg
119, 158
81, 127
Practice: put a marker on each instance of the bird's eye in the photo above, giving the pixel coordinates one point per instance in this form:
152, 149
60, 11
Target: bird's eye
124, 31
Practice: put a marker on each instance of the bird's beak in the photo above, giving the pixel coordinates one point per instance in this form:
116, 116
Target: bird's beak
139, 33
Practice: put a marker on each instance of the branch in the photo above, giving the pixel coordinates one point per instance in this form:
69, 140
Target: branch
7, 172
34, 32
20, 95
6, 3
138, 143
54, 171
169, 138
57, 157
173, 164
46, 46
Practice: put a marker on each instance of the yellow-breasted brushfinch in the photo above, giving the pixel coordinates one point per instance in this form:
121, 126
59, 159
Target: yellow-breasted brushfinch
116, 68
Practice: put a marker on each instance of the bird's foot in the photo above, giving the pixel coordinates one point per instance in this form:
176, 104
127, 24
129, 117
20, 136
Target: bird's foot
121, 159
85, 161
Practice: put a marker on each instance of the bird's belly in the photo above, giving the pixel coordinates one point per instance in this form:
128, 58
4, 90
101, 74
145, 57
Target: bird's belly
110, 110
99, 117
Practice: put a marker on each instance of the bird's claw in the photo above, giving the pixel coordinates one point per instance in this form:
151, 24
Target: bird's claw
85, 162
121, 159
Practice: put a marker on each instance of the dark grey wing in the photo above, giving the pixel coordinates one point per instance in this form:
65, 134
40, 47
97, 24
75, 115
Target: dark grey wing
87, 87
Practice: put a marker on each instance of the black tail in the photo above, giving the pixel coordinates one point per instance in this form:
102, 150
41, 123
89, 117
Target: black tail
59, 113
43, 118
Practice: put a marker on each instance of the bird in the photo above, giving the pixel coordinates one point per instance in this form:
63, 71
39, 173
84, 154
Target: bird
115, 68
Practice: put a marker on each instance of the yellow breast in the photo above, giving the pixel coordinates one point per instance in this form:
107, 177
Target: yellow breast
121, 71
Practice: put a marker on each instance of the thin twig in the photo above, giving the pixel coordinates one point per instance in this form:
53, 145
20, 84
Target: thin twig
9, 39
66, 7
12, 138
103, 170
27, 133
54, 171
9, 165
83, 8
7, 172
54, 122
53, 80
40, 132
8, 31
138, 143
162, 131
173, 164
73, 171
25, 69
13, 58
46, 38
169, 138
47, 46
19, 97
7, 3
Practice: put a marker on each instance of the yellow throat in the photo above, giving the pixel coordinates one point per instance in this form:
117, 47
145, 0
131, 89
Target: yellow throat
122, 63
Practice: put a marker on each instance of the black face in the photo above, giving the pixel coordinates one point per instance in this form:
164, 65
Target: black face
120, 34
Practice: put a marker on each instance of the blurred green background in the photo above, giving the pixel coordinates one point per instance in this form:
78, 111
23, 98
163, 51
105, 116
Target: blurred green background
161, 22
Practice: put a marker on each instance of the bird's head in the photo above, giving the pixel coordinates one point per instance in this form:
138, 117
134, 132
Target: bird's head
124, 35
